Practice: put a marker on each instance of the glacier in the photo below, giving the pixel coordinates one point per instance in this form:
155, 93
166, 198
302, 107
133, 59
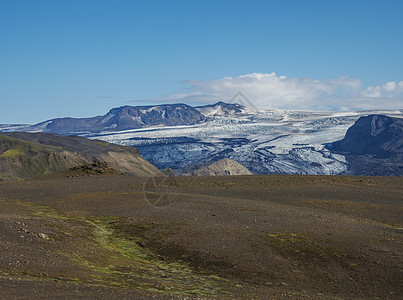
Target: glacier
264, 141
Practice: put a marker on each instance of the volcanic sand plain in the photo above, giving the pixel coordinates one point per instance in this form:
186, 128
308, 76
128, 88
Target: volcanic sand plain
229, 237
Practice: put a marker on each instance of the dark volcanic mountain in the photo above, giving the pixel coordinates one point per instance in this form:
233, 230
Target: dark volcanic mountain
28, 155
375, 134
124, 118
374, 146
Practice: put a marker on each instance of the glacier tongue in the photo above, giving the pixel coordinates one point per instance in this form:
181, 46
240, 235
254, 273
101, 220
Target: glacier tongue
266, 142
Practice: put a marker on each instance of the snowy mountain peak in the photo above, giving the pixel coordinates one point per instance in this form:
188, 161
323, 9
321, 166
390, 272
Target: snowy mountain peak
221, 109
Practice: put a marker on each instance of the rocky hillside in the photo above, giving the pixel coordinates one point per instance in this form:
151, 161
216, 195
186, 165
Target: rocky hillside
373, 146
375, 134
95, 168
123, 118
28, 155
222, 167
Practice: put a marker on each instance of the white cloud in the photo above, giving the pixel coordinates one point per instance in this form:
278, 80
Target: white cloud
390, 89
372, 92
269, 90
390, 86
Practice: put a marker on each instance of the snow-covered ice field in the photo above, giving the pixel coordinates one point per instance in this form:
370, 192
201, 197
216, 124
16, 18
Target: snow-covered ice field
275, 141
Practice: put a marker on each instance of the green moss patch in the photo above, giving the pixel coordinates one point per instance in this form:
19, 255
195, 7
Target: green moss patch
126, 263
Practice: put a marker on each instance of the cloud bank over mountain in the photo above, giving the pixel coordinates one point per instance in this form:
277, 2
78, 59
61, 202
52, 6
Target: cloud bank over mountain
269, 90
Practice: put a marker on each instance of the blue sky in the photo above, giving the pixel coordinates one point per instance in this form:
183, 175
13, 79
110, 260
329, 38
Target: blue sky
82, 57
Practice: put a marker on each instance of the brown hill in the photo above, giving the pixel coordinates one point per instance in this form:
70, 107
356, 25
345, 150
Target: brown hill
28, 155
222, 167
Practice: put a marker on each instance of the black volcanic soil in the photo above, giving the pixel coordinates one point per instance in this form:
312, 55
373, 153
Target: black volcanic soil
247, 237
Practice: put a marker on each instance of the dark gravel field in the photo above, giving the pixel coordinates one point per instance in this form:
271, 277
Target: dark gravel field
233, 237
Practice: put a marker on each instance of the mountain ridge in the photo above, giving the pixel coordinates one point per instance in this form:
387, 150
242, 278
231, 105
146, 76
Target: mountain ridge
123, 118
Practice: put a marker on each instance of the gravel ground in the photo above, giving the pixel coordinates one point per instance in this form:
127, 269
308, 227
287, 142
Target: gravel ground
246, 237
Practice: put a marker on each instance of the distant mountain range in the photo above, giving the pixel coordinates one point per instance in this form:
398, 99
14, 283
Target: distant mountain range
124, 118
133, 117
178, 137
